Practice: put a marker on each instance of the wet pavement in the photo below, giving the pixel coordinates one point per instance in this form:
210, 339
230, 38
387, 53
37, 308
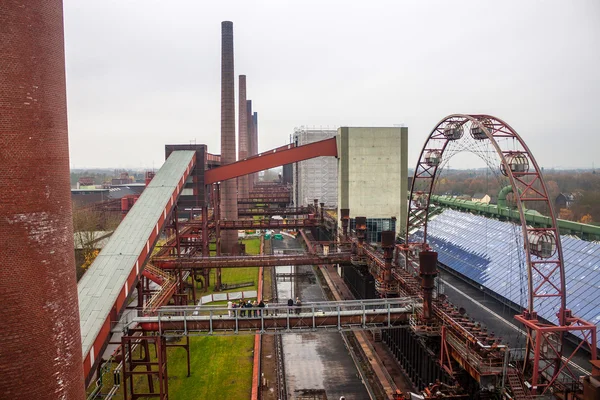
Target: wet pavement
314, 361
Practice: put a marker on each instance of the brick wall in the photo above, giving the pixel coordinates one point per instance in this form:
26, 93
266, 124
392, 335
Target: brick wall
40, 341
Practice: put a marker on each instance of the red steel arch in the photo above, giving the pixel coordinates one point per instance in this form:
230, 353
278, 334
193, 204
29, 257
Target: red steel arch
543, 250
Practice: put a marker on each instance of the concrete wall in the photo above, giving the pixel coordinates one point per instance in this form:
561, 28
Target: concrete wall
372, 172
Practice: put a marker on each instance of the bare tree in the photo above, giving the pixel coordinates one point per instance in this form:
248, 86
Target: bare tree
90, 228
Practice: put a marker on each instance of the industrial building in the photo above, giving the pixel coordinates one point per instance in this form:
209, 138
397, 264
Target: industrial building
315, 178
372, 175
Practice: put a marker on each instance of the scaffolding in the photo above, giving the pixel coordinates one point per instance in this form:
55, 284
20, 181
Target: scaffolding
315, 178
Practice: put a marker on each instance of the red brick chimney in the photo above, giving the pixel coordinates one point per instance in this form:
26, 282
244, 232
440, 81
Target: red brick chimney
229, 209
40, 338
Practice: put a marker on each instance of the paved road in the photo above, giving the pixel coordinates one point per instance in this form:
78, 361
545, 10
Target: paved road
318, 361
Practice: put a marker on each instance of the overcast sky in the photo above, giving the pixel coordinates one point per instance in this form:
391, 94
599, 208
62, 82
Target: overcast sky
144, 73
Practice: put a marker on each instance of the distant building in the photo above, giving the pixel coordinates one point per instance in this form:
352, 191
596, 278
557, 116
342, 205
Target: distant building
316, 178
124, 179
85, 181
564, 200
83, 197
481, 198
86, 196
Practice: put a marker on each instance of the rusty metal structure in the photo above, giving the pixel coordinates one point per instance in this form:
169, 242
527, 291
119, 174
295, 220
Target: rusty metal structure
40, 342
271, 159
547, 367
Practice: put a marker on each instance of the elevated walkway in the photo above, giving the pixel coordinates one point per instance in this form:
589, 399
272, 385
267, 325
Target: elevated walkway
105, 287
310, 317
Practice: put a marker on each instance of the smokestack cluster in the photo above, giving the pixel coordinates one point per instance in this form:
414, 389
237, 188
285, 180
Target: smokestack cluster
40, 339
243, 136
250, 131
254, 143
229, 209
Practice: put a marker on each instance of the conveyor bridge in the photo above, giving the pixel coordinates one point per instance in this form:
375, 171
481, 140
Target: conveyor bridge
104, 289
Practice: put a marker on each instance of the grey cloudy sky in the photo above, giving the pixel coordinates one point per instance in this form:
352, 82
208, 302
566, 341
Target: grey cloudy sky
144, 73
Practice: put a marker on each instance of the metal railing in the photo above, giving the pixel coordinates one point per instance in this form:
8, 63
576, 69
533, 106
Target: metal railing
278, 318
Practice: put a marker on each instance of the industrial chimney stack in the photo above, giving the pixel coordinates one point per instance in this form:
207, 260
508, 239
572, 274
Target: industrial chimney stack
255, 142
229, 209
40, 338
243, 137
250, 135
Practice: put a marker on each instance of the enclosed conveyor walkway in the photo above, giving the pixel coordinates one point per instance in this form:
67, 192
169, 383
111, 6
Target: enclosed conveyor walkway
105, 287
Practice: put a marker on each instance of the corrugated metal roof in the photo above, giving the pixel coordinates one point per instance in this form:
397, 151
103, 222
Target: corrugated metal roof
490, 252
99, 288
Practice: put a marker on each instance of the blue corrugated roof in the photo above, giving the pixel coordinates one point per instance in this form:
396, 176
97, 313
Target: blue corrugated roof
490, 252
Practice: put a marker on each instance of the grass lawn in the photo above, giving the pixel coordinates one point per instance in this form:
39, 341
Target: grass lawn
221, 368
238, 275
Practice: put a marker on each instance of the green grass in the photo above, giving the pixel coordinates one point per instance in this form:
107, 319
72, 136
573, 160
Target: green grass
238, 275
221, 368
252, 245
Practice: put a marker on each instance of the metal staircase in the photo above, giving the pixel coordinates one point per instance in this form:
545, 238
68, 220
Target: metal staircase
519, 392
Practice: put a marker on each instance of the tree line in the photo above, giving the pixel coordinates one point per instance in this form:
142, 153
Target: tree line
584, 186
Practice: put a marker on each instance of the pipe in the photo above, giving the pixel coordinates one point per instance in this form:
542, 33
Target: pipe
427, 272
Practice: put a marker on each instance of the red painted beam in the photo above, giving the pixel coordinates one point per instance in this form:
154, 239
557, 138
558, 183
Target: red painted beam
271, 159
249, 261
252, 224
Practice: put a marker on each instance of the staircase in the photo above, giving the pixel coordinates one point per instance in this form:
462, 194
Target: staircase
515, 384
155, 274
376, 335
166, 291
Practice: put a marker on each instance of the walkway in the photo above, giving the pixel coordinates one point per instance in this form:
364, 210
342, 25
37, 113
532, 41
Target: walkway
311, 317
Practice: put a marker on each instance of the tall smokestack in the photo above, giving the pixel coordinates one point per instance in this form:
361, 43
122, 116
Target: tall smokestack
243, 137
249, 127
255, 139
229, 209
40, 339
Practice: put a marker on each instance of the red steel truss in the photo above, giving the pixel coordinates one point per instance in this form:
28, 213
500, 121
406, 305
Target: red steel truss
266, 199
271, 159
264, 224
545, 265
249, 261
250, 212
